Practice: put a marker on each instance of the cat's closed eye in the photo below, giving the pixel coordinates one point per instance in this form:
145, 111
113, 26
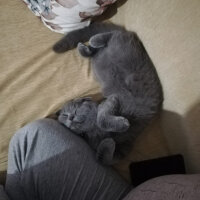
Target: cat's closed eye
68, 116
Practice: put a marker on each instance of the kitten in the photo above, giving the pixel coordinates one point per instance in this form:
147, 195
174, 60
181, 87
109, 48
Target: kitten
80, 115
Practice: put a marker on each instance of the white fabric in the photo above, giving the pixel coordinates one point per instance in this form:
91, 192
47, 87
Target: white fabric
63, 16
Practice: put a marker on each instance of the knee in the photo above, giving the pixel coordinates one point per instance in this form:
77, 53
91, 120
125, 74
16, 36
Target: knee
32, 140
30, 129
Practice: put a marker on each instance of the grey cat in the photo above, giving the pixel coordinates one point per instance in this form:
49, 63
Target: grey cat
126, 74
80, 115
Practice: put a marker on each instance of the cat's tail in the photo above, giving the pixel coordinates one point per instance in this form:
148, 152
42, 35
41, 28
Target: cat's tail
71, 40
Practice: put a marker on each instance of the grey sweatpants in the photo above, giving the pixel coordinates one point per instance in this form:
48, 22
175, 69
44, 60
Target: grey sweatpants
48, 162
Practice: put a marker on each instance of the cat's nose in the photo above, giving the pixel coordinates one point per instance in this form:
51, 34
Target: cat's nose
71, 117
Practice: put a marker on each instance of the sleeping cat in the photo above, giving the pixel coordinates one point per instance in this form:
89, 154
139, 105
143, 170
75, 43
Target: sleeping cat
80, 115
126, 74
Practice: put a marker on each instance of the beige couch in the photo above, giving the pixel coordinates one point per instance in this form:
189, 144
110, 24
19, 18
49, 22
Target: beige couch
34, 81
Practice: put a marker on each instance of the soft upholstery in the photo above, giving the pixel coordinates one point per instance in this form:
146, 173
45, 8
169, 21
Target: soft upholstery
173, 187
35, 81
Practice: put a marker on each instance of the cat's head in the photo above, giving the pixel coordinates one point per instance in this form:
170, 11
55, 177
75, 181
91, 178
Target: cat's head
79, 115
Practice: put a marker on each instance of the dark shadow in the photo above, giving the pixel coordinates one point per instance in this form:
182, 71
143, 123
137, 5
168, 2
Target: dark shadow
121, 3
193, 119
2, 177
182, 135
192, 123
173, 131
110, 11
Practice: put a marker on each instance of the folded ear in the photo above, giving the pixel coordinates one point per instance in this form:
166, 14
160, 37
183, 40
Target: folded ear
100, 40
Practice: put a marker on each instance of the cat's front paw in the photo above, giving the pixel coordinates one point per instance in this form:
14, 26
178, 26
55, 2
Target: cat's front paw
116, 124
84, 50
122, 124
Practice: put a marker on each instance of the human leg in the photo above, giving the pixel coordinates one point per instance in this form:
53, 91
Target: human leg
47, 161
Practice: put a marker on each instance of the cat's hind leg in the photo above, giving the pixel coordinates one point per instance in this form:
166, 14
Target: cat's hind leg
106, 119
105, 151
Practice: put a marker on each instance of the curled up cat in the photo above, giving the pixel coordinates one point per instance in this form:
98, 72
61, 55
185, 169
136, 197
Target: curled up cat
130, 85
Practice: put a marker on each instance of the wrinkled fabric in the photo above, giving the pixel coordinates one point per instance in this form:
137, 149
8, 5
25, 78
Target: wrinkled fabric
47, 161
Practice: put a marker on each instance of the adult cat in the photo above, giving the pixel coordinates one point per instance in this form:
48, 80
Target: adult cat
126, 74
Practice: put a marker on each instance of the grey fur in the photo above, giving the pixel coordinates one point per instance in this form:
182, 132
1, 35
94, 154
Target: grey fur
80, 115
71, 40
129, 83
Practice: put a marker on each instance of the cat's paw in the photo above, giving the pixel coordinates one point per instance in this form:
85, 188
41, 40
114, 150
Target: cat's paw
122, 124
105, 151
84, 50
116, 124
81, 46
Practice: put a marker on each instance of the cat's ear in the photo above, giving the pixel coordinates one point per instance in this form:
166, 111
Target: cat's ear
100, 40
